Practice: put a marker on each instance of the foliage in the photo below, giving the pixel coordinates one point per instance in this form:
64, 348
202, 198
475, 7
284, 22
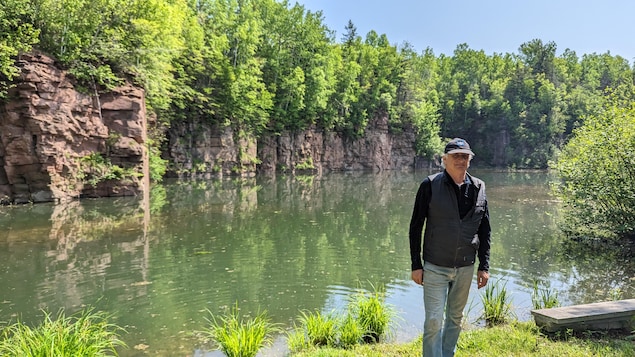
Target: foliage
157, 165
267, 66
497, 307
17, 35
94, 168
593, 167
306, 164
239, 336
86, 333
371, 313
544, 298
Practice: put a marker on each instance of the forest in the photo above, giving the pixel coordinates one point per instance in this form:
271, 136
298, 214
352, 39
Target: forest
265, 66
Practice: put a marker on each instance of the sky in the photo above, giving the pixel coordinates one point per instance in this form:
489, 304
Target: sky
494, 26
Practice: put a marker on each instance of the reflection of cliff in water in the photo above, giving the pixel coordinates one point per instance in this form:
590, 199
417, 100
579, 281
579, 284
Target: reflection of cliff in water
284, 244
59, 255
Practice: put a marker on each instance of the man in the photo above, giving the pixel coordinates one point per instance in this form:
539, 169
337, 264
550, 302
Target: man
453, 206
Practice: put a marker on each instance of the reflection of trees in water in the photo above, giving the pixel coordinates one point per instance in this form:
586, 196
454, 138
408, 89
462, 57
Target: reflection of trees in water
601, 270
254, 233
528, 242
60, 258
280, 243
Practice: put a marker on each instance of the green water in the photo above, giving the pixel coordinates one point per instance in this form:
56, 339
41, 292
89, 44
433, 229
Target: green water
282, 244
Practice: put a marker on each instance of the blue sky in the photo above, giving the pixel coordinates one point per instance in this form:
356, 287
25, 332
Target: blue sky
499, 26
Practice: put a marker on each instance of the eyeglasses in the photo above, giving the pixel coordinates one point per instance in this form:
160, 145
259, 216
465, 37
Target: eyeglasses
460, 156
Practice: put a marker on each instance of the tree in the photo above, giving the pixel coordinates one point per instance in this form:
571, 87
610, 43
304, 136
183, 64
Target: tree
298, 70
17, 34
594, 167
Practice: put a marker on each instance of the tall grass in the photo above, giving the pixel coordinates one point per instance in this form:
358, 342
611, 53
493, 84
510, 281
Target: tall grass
366, 320
86, 334
544, 298
239, 336
372, 313
351, 332
497, 308
320, 329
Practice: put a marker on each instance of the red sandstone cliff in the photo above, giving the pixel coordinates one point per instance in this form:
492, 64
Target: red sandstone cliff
48, 126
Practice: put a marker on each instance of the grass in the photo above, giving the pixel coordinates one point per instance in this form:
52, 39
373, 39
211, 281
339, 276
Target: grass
366, 321
351, 332
320, 330
89, 334
497, 307
239, 336
544, 298
372, 313
517, 339
86, 334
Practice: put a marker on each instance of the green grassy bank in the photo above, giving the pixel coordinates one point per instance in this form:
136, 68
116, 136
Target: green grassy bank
521, 339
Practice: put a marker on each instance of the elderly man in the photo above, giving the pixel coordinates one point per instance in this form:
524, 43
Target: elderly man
453, 206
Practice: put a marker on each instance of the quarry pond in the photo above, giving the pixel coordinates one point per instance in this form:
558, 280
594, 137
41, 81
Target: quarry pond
283, 244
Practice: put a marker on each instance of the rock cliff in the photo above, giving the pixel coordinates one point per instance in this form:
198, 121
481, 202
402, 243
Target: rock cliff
58, 143
197, 149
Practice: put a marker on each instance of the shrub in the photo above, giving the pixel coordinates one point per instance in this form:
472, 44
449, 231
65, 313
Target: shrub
594, 167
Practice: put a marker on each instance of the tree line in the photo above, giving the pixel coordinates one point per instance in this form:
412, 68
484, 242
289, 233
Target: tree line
267, 66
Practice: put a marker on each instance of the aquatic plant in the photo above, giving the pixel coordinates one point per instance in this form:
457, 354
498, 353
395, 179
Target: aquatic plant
497, 309
239, 336
544, 298
86, 334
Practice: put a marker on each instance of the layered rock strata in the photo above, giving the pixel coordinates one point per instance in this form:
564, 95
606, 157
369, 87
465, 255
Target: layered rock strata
56, 141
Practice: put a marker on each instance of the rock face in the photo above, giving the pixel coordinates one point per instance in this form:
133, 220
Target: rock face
377, 150
197, 149
57, 143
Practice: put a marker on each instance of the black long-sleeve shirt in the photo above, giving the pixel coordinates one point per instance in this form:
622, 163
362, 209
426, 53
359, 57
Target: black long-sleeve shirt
465, 199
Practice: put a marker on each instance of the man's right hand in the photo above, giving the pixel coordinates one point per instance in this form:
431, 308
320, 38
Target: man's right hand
417, 276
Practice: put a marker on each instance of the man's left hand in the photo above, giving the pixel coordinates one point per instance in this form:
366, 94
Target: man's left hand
481, 278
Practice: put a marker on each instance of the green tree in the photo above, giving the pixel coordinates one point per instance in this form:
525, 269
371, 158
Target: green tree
103, 41
245, 101
418, 102
298, 70
17, 35
594, 167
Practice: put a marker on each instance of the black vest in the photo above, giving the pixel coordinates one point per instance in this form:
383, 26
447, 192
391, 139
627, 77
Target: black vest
450, 241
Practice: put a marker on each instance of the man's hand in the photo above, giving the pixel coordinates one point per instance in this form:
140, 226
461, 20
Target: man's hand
481, 278
417, 276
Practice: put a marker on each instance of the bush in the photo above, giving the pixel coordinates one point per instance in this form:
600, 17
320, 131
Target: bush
596, 168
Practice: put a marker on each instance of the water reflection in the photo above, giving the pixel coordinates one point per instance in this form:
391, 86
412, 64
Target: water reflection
283, 244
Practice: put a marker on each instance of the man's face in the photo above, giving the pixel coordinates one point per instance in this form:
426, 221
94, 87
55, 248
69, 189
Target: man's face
458, 161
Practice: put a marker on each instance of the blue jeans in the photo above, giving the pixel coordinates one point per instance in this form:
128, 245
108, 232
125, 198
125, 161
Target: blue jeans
444, 290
